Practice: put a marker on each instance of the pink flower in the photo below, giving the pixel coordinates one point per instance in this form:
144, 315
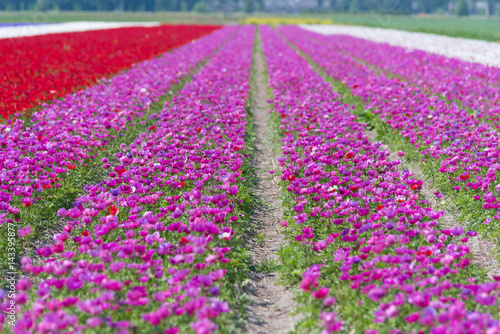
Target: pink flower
24, 284
391, 311
413, 317
321, 293
24, 231
284, 223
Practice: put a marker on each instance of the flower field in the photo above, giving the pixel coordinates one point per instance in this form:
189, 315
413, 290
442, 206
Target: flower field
132, 188
71, 61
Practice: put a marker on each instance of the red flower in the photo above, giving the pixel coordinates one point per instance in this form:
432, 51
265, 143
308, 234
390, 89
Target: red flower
152, 128
121, 171
427, 252
283, 115
112, 210
380, 207
86, 233
70, 61
349, 155
290, 177
464, 177
184, 240
71, 167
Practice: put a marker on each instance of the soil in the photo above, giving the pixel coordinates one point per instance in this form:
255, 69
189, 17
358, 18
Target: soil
271, 303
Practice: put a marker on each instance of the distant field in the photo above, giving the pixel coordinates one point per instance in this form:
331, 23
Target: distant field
170, 17
471, 27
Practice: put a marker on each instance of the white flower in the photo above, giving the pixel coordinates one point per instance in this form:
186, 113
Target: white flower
334, 188
225, 236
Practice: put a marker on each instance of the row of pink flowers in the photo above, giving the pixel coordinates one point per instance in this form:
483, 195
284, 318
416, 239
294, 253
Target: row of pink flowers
464, 149
35, 155
147, 249
474, 85
369, 240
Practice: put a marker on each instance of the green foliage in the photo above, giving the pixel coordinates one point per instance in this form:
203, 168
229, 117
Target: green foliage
200, 6
249, 6
462, 8
260, 5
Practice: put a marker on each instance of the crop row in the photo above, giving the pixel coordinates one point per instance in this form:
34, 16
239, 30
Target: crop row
50, 156
470, 50
475, 86
459, 152
148, 248
370, 248
35, 29
42, 68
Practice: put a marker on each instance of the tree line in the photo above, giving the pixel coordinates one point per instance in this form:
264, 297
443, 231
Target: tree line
460, 7
355, 6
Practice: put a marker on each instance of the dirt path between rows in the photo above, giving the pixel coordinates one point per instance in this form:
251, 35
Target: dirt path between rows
271, 303
482, 250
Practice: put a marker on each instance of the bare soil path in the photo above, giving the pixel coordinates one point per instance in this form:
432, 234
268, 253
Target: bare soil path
271, 303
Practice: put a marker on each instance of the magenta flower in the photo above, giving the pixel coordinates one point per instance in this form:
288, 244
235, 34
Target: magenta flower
321, 293
413, 317
24, 231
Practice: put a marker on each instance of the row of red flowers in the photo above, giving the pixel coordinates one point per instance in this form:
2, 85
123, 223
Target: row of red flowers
41, 68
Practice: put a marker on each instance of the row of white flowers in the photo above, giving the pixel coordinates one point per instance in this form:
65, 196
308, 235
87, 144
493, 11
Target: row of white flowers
30, 29
483, 52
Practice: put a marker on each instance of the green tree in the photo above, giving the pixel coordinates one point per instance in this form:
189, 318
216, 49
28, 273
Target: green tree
260, 5
354, 6
462, 8
249, 6
150, 5
491, 7
404, 7
200, 6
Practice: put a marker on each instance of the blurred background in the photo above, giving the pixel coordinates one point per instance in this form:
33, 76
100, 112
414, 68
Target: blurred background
479, 19
458, 7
